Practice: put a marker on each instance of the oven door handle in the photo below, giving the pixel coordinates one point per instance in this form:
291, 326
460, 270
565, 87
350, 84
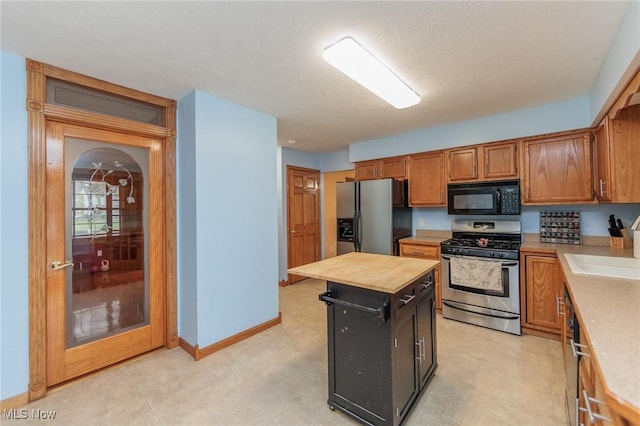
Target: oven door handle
494, 313
481, 259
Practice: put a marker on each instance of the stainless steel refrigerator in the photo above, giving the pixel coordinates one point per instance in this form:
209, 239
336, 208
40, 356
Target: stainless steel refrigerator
372, 216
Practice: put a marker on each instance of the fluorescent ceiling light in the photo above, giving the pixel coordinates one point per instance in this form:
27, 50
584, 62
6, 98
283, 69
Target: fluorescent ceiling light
354, 61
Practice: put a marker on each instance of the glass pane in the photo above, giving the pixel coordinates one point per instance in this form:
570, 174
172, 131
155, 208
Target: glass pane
73, 95
107, 292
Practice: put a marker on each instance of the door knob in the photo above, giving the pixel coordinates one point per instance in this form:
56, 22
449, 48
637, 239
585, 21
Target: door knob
56, 265
293, 231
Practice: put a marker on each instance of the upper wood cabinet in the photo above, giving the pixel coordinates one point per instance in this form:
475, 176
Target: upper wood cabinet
602, 161
556, 169
427, 185
392, 167
367, 170
463, 164
500, 160
483, 162
617, 157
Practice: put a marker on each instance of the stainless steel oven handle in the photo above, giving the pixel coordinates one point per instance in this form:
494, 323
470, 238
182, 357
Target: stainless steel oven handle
480, 258
452, 305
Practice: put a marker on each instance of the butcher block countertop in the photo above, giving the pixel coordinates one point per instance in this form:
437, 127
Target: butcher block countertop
609, 311
378, 272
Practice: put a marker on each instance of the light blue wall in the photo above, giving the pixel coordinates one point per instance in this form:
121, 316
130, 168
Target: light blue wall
186, 218
14, 302
336, 161
559, 116
622, 59
593, 218
235, 215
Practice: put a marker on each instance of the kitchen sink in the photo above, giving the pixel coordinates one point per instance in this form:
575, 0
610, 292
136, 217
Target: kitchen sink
606, 266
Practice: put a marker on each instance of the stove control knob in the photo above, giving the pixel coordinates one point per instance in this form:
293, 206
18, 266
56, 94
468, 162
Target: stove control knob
492, 254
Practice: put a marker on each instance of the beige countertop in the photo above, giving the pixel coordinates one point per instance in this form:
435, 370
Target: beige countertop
609, 311
378, 272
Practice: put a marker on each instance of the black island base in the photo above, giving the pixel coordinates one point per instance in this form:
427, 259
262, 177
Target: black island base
382, 349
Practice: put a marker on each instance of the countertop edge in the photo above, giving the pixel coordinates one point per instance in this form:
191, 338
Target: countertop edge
381, 276
573, 284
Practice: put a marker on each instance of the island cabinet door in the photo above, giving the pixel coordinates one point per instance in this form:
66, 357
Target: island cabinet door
426, 337
359, 354
405, 373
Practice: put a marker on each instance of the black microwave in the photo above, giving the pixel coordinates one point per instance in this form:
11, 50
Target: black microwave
490, 198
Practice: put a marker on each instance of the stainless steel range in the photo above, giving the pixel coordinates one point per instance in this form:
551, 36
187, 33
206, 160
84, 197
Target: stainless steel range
481, 274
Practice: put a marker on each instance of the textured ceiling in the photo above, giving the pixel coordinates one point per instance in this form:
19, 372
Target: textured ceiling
466, 59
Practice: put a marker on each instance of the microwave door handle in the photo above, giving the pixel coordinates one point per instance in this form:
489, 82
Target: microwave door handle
498, 201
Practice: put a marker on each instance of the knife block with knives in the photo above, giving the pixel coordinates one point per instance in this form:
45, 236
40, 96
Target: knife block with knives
620, 236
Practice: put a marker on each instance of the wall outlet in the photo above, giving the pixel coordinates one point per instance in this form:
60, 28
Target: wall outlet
99, 253
421, 222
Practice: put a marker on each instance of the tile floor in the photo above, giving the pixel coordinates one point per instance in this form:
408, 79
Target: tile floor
278, 377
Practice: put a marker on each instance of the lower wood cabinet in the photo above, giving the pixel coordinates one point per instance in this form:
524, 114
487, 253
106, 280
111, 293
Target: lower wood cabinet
592, 407
540, 292
429, 251
596, 406
381, 349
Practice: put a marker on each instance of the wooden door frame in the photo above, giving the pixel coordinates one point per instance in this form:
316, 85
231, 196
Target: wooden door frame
319, 237
38, 112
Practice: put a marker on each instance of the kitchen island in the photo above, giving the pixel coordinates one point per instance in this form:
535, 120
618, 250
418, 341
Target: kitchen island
380, 331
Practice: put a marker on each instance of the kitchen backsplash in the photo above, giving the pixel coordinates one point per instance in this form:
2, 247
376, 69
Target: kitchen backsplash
594, 218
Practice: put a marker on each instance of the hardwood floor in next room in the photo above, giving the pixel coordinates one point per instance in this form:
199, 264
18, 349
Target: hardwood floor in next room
279, 377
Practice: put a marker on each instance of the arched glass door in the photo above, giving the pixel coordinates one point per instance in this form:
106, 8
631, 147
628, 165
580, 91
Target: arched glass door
105, 215
108, 290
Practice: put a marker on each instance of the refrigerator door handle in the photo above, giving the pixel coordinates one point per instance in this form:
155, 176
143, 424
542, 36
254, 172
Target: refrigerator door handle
357, 223
355, 231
